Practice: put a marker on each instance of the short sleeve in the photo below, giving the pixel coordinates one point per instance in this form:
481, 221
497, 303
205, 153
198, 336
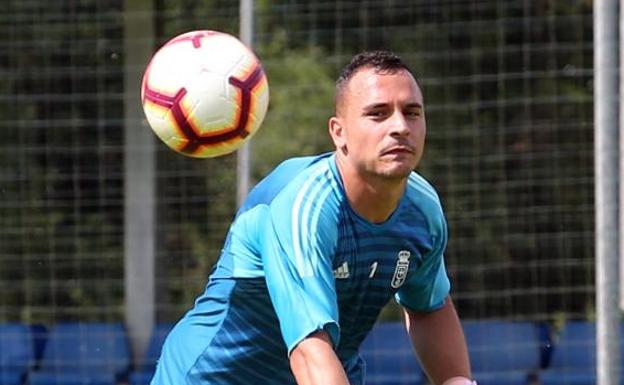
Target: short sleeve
298, 244
427, 287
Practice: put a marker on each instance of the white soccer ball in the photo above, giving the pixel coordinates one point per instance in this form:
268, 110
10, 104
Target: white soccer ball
204, 93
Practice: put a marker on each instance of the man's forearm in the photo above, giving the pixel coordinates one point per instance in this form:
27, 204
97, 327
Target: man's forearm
439, 342
314, 362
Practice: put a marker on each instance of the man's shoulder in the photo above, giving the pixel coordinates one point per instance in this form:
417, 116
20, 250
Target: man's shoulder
304, 210
310, 186
422, 194
294, 177
302, 176
299, 169
417, 184
423, 199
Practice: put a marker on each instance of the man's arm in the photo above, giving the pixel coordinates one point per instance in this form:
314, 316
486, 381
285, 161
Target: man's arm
439, 342
314, 362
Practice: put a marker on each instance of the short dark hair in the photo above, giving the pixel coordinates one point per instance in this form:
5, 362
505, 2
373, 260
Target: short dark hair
383, 62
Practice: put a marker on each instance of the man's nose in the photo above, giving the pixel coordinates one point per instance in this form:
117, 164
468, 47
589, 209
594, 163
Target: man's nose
399, 125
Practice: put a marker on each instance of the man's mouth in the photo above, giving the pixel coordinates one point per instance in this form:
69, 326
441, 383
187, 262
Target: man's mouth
398, 150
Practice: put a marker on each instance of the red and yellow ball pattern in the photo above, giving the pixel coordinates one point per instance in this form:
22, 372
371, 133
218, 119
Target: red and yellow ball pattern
204, 93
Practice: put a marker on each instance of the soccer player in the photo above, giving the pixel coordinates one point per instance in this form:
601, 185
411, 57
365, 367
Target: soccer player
321, 245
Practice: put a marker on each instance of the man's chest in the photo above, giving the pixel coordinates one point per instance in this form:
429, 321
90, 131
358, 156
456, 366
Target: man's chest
378, 262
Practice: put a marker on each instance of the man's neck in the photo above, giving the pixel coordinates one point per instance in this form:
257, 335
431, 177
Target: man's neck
372, 197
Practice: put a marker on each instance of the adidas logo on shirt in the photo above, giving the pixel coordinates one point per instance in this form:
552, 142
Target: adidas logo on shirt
342, 272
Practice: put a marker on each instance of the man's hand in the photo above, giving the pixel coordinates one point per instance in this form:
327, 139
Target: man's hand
459, 381
314, 362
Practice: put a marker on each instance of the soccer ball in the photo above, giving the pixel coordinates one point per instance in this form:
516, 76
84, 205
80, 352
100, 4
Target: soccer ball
204, 93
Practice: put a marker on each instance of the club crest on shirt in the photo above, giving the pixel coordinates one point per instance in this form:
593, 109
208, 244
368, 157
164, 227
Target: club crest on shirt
400, 271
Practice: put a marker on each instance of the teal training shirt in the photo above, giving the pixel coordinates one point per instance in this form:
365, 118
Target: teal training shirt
298, 259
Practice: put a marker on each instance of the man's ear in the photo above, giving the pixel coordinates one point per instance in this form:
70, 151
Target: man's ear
337, 132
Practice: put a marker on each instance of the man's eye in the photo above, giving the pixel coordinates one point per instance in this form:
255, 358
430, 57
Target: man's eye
375, 114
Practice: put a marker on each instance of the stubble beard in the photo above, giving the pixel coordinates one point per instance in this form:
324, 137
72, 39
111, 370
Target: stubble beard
388, 173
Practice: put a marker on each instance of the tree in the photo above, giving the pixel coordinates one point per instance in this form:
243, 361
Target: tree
301, 102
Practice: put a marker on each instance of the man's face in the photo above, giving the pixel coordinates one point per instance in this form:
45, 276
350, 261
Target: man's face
381, 123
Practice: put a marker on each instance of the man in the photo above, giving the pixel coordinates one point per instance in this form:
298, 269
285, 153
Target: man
318, 249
